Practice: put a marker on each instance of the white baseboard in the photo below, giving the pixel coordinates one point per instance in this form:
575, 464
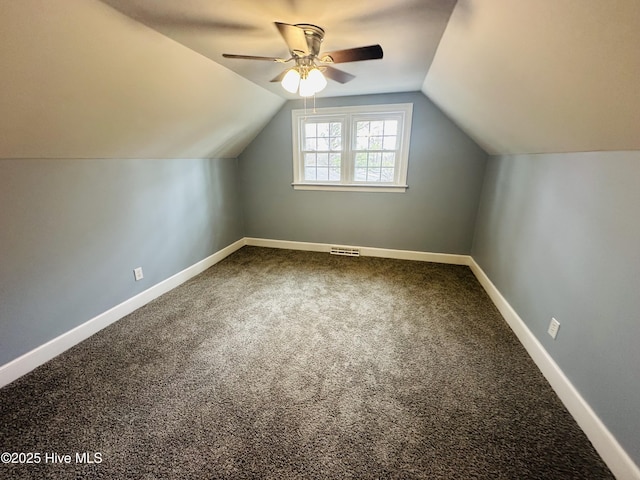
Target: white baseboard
616, 458
36, 357
364, 251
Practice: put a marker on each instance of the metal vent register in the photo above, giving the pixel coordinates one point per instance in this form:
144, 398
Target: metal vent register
349, 252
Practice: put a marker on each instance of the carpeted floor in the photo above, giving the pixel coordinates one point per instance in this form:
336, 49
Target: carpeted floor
282, 364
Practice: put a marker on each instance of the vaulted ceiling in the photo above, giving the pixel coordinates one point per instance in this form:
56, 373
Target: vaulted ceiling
408, 30
146, 78
535, 76
81, 80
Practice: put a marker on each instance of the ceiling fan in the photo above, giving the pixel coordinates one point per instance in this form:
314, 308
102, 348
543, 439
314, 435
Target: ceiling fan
307, 76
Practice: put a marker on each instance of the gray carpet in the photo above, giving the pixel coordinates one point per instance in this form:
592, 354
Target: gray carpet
283, 364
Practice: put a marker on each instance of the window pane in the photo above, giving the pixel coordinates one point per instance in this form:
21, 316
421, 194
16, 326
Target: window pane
310, 173
390, 143
375, 143
361, 174
336, 143
310, 130
377, 127
373, 174
334, 159
362, 143
323, 144
323, 159
387, 175
323, 174
361, 159
310, 144
323, 129
375, 159
390, 127
388, 159
309, 159
362, 128
336, 129
334, 174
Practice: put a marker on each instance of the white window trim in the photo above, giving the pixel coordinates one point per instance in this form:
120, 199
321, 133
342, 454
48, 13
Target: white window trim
348, 115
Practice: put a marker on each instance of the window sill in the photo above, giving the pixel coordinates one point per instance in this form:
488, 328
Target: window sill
342, 187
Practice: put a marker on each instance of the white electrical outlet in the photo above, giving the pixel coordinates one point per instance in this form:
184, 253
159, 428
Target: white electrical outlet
137, 273
554, 326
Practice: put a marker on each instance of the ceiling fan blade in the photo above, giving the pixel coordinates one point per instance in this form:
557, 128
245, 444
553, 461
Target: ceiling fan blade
371, 52
295, 39
253, 57
279, 77
337, 75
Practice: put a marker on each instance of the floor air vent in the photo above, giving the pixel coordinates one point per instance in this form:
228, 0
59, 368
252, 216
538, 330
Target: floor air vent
349, 252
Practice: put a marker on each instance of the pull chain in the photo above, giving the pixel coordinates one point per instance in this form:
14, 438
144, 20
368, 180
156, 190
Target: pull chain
304, 99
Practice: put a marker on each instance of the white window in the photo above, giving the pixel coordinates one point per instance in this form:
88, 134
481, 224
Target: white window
362, 148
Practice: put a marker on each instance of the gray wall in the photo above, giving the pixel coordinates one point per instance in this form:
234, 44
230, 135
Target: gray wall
559, 235
436, 214
71, 231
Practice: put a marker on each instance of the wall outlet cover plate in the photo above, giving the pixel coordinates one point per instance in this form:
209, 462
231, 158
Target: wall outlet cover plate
554, 326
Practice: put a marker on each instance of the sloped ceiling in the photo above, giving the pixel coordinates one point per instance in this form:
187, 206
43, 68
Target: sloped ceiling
408, 31
145, 78
536, 76
81, 80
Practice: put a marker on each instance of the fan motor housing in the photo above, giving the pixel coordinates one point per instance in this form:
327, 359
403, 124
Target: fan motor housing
314, 36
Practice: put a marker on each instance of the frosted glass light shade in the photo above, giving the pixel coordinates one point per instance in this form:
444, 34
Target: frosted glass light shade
306, 84
317, 80
313, 83
306, 88
291, 80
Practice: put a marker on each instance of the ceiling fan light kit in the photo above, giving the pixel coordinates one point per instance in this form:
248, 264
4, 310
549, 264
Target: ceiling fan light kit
317, 80
306, 77
305, 80
291, 81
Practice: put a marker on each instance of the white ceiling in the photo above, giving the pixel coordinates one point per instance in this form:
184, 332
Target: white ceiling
542, 76
81, 80
408, 31
146, 79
